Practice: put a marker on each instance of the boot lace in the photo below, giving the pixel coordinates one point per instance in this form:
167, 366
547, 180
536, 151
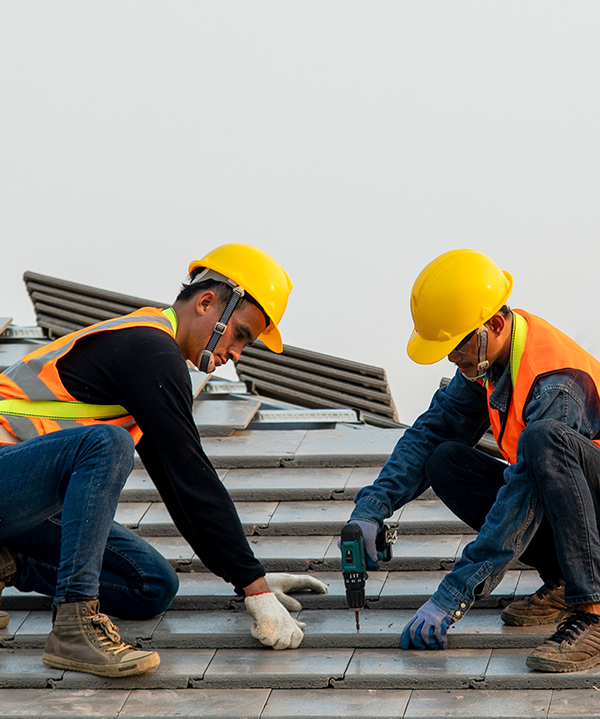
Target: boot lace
570, 629
546, 589
109, 639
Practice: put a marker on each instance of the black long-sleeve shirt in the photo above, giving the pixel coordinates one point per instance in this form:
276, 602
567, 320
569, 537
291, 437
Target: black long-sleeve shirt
142, 369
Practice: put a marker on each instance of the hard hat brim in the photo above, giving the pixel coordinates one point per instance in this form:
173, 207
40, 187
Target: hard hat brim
424, 351
271, 337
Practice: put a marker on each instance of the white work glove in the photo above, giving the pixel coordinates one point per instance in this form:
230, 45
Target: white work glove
281, 584
273, 624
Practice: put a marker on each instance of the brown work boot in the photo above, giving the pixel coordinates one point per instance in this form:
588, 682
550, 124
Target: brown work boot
546, 606
8, 568
574, 646
85, 641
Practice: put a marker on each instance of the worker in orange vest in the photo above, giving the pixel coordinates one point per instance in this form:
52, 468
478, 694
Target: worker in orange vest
70, 415
539, 391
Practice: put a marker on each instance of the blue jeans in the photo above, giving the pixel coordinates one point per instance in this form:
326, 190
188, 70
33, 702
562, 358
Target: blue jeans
58, 496
565, 468
467, 481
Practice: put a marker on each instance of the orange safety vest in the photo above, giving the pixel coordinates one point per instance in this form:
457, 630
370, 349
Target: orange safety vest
33, 399
537, 349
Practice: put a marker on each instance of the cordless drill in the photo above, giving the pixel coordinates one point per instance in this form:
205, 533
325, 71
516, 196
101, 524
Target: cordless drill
354, 563
354, 567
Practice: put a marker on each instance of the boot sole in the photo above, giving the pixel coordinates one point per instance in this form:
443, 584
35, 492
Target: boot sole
558, 666
139, 666
515, 620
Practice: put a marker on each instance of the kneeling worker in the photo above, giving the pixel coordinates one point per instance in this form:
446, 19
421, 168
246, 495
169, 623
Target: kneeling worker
539, 391
70, 415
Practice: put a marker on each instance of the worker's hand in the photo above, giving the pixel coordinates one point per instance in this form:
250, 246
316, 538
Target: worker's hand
426, 630
281, 584
273, 624
370, 530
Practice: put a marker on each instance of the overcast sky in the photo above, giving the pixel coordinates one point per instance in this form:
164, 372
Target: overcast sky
353, 140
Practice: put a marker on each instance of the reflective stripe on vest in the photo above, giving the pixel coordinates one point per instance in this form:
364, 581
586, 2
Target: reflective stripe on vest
36, 402
537, 349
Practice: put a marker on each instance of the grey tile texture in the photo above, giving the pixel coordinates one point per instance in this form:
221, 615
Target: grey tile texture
262, 668
346, 447
287, 483
343, 703
231, 704
49, 704
470, 704
253, 448
396, 669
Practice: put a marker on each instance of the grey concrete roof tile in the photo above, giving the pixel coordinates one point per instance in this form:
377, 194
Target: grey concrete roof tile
205, 629
253, 448
413, 588
471, 704
139, 487
219, 418
507, 670
351, 703
483, 628
24, 668
362, 477
288, 554
263, 667
529, 583
48, 704
430, 516
310, 517
286, 483
397, 669
337, 628
137, 631
175, 549
157, 522
345, 446
177, 668
131, 513
34, 630
17, 618
574, 703
214, 703
195, 585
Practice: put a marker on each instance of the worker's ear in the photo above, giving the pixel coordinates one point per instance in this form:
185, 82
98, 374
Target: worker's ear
204, 300
496, 323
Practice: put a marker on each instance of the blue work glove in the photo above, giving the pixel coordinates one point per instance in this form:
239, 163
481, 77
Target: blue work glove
426, 630
370, 530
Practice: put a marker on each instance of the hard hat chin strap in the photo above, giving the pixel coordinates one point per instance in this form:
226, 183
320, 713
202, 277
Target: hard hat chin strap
207, 360
483, 363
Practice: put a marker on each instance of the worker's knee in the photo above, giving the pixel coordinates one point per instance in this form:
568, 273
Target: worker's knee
165, 587
538, 443
107, 445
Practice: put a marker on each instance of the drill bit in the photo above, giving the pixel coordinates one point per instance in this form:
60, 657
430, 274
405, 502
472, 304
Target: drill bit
356, 614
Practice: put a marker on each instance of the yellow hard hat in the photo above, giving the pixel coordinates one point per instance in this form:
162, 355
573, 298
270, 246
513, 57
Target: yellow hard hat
259, 275
455, 294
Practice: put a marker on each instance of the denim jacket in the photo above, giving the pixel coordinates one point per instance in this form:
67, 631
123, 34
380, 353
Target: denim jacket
458, 412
